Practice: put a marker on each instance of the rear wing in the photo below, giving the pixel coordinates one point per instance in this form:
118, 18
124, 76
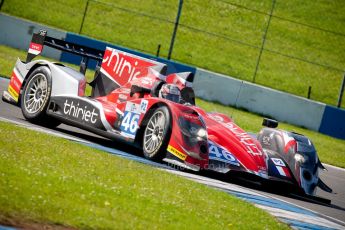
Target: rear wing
114, 67
40, 39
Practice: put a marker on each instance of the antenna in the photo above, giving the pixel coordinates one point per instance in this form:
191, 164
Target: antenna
237, 96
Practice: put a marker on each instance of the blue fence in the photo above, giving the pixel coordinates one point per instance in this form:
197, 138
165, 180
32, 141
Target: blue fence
333, 122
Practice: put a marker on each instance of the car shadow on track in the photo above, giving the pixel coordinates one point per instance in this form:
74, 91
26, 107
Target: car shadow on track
119, 145
272, 187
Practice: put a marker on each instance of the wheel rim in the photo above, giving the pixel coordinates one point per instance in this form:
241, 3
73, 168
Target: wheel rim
154, 132
35, 95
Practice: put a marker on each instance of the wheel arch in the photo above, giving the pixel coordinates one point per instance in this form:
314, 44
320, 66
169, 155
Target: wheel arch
32, 68
140, 133
39, 116
65, 80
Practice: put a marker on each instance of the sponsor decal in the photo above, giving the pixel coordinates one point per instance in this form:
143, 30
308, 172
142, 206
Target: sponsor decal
15, 84
278, 161
13, 93
122, 67
132, 107
218, 153
281, 167
35, 48
283, 171
177, 153
80, 112
129, 124
143, 106
245, 139
130, 121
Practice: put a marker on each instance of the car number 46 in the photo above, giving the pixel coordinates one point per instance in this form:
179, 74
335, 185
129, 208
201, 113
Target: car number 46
218, 153
129, 123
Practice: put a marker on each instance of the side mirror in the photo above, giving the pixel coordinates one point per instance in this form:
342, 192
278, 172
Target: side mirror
139, 89
270, 123
188, 95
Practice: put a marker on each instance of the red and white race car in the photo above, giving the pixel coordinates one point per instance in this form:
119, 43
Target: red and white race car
134, 100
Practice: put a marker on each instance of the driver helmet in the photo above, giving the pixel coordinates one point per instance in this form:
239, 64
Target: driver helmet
170, 92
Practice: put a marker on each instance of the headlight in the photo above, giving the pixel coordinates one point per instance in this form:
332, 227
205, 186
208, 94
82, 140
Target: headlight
301, 158
202, 133
192, 129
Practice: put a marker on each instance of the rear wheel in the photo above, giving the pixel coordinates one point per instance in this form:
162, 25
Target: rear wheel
35, 97
157, 134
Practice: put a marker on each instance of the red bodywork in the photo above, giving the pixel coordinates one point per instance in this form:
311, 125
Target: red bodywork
244, 152
228, 142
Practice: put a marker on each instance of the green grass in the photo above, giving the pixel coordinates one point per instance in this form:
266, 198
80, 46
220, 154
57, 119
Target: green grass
73, 185
331, 150
124, 23
8, 58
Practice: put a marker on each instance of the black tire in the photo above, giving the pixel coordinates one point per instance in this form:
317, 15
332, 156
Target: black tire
157, 135
35, 97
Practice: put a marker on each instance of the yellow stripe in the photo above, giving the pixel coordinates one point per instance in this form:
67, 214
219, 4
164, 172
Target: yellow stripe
13, 93
177, 153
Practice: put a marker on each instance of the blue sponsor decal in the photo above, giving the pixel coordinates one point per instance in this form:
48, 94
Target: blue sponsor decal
129, 124
218, 153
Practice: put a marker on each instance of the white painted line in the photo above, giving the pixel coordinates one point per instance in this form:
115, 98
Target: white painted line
307, 209
315, 220
334, 167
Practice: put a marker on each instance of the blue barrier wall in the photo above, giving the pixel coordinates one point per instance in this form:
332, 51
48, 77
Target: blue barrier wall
173, 67
333, 122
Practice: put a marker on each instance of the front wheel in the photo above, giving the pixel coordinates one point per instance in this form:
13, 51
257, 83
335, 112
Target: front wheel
157, 134
35, 97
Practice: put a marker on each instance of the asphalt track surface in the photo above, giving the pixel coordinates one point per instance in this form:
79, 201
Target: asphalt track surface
334, 177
